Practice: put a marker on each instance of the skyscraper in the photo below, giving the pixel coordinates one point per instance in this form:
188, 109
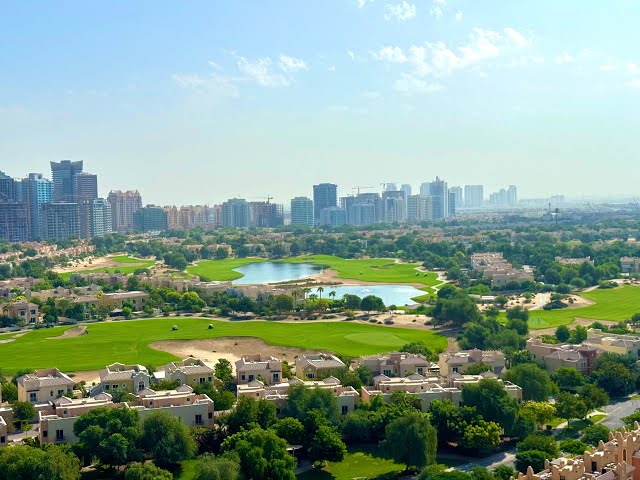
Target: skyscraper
266, 214
418, 209
325, 195
13, 221
123, 206
512, 195
425, 189
150, 219
302, 211
473, 196
86, 186
9, 190
362, 213
451, 207
457, 192
406, 188
64, 184
101, 222
236, 213
59, 221
439, 193
333, 216
37, 191
394, 206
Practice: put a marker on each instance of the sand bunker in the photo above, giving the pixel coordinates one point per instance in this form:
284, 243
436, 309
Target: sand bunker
231, 348
72, 333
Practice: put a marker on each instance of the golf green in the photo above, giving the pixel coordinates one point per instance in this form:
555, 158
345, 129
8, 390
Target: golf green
128, 341
123, 264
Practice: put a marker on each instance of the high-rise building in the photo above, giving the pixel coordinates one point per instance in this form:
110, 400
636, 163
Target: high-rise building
512, 195
13, 221
333, 216
418, 209
457, 192
302, 211
376, 201
473, 196
64, 180
439, 193
236, 213
101, 221
9, 190
406, 188
390, 187
150, 219
266, 214
325, 195
173, 217
425, 189
394, 206
451, 207
37, 191
60, 221
362, 213
123, 206
86, 187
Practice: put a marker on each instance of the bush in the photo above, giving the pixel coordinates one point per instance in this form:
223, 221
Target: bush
211, 326
174, 328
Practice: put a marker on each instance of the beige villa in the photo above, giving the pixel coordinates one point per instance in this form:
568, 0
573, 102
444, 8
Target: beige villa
458, 362
397, 364
253, 367
44, 386
133, 378
190, 371
318, 366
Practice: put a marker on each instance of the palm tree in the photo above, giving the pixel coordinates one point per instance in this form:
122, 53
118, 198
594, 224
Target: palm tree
320, 290
294, 294
313, 297
306, 291
332, 294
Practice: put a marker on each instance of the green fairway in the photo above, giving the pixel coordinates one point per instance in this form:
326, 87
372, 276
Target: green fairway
128, 341
615, 304
123, 264
220, 270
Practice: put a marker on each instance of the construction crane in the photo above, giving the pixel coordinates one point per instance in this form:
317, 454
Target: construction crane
357, 188
268, 198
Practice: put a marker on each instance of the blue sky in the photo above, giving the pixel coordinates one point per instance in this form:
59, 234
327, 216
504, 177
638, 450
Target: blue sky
196, 102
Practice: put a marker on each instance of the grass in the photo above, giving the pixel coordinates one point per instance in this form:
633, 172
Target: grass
188, 470
614, 304
124, 264
362, 461
381, 270
598, 418
128, 341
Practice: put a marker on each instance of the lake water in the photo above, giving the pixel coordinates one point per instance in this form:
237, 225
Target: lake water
390, 294
271, 272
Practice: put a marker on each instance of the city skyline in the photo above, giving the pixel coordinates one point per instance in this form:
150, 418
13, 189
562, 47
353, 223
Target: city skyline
376, 91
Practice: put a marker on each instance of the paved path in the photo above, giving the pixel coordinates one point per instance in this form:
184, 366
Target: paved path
618, 410
508, 457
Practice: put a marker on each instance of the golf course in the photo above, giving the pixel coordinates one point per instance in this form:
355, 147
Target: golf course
118, 263
128, 341
615, 304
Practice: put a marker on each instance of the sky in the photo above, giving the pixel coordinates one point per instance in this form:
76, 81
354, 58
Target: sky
196, 102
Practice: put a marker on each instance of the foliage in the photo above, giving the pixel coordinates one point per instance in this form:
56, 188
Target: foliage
504, 472
414, 430
562, 333
481, 435
167, 439
372, 303
533, 458
492, 403
535, 383
593, 434
568, 378
593, 396
573, 447
146, 471
223, 370
569, 406
222, 399
541, 443
28, 463
540, 412
218, 468
327, 445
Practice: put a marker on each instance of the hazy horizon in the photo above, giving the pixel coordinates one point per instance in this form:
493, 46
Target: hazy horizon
194, 103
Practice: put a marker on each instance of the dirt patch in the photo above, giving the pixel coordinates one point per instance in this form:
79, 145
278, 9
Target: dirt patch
7, 340
231, 348
578, 302
72, 333
90, 377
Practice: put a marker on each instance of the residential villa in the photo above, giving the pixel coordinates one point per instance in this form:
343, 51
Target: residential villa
190, 371
321, 365
456, 380
397, 364
44, 386
624, 344
347, 397
618, 459
118, 299
459, 362
56, 425
630, 264
254, 367
427, 389
133, 378
496, 268
27, 311
3, 433
580, 357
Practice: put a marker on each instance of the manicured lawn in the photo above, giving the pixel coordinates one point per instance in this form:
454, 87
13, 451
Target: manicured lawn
187, 470
124, 264
360, 462
128, 341
615, 304
220, 270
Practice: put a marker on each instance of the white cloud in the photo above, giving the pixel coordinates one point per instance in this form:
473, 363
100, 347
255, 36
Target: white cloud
351, 55
632, 68
518, 39
400, 11
437, 10
526, 60
331, 68
290, 64
362, 3
409, 84
564, 58
391, 55
261, 72
213, 87
459, 15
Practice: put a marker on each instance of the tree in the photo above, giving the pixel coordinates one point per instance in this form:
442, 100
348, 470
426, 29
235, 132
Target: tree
223, 370
146, 471
303, 400
477, 368
24, 412
504, 472
517, 319
415, 430
209, 467
563, 334
614, 378
458, 311
579, 335
593, 396
570, 406
535, 382
351, 302
263, 455
50, 462
9, 392
540, 412
167, 439
533, 458
327, 445
573, 447
121, 395
291, 429
491, 402
541, 443
221, 253
372, 303
630, 420
222, 399
447, 291
593, 434
481, 435
282, 303
568, 378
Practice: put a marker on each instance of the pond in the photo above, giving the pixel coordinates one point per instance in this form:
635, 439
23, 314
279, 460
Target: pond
390, 294
273, 272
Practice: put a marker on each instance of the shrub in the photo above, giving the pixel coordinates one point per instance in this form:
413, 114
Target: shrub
175, 327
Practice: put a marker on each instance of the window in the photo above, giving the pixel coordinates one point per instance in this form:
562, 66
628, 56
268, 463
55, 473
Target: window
198, 419
3, 439
210, 414
310, 375
140, 386
59, 435
243, 377
210, 379
33, 397
45, 433
202, 380
251, 377
60, 393
454, 369
106, 387
276, 377
51, 393
345, 409
387, 373
420, 370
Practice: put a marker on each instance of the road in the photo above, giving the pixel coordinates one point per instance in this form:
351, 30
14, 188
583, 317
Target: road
618, 410
507, 457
